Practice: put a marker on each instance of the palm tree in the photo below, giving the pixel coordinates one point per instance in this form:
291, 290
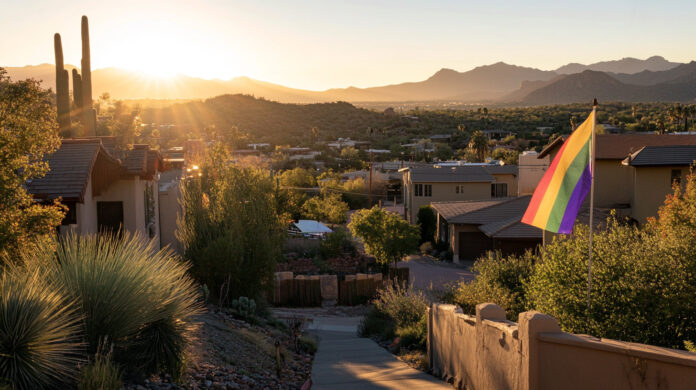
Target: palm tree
676, 112
688, 111
479, 145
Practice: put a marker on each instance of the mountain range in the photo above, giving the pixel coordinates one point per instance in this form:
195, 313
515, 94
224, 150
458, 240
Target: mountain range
628, 79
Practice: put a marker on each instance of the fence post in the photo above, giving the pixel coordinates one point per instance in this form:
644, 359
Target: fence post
531, 323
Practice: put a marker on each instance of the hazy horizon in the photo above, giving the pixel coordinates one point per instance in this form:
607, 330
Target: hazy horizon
316, 45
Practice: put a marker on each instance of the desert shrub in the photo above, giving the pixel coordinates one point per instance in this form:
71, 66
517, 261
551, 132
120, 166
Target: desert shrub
427, 220
426, 248
100, 374
131, 296
230, 229
308, 344
640, 286
336, 244
39, 333
398, 311
500, 280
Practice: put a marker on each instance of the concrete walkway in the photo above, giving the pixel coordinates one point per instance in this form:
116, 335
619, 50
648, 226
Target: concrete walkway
346, 361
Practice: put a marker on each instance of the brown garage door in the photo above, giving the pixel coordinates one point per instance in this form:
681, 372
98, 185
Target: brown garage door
473, 245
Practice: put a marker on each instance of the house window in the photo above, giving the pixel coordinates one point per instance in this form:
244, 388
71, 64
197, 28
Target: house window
423, 190
110, 216
459, 189
676, 176
70, 215
499, 190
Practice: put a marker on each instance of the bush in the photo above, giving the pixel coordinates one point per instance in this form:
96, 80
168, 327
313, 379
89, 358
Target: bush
500, 280
131, 296
100, 374
230, 229
39, 347
426, 248
427, 220
336, 244
398, 312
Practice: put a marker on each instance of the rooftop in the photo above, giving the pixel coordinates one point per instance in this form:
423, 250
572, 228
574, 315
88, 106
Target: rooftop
619, 146
456, 174
684, 155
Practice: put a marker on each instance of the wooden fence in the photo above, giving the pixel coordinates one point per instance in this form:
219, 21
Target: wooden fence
357, 292
296, 293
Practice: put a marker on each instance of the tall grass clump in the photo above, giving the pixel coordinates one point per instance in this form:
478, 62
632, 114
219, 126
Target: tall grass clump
100, 374
39, 329
398, 312
135, 299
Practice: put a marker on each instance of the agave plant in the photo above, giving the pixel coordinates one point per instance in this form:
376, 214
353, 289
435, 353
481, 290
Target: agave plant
39, 333
138, 298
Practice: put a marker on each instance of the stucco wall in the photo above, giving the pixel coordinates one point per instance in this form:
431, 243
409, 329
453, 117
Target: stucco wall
169, 211
613, 183
446, 192
132, 193
530, 171
652, 185
487, 352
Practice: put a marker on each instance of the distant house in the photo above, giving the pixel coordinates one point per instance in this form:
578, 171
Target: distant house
444, 138
496, 133
655, 170
424, 185
471, 228
103, 193
531, 170
615, 182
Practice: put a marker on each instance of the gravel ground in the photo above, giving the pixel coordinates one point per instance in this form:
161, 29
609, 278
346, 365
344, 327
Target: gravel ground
226, 353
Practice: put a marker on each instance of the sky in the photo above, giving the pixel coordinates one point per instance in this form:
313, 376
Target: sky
325, 44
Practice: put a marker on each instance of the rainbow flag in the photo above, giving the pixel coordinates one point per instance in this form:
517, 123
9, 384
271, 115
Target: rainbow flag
560, 193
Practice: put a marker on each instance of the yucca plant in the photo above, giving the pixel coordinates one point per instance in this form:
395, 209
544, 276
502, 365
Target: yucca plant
136, 297
39, 333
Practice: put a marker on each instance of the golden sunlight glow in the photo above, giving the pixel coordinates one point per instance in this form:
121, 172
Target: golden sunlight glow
161, 49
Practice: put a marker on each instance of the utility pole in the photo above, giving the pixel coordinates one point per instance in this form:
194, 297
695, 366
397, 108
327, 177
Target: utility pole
370, 181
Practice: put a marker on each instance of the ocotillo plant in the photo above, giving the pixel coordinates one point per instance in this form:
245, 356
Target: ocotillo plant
87, 111
62, 86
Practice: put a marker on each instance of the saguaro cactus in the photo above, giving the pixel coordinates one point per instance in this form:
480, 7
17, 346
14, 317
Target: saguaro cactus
62, 86
88, 114
77, 92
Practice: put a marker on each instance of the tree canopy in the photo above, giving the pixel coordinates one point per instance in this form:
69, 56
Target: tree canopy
386, 235
29, 132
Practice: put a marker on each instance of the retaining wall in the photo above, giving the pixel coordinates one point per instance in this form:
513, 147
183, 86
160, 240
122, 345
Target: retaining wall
486, 351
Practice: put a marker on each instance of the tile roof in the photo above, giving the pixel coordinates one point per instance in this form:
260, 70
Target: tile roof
135, 162
457, 174
497, 218
619, 146
663, 155
502, 169
70, 169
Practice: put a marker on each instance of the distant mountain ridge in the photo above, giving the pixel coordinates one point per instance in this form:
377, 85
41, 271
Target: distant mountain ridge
627, 65
628, 79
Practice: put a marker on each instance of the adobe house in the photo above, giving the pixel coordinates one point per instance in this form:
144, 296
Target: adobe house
655, 169
103, 193
471, 228
615, 181
423, 185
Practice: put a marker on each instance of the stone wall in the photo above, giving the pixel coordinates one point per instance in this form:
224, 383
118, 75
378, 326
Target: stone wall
486, 351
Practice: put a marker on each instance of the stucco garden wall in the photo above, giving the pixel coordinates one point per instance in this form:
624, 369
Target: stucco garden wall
488, 352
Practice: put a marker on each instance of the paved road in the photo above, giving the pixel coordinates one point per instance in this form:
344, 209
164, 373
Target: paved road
428, 274
346, 361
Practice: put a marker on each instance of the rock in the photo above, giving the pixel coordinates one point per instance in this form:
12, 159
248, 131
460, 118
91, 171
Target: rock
232, 386
208, 383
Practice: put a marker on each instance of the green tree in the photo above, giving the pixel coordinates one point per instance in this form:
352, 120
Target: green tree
479, 145
29, 132
124, 124
386, 235
230, 229
427, 220
329, 207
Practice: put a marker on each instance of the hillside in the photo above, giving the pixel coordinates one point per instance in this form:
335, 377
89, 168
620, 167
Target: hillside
592, 84
627, 65
652, 78
268, 121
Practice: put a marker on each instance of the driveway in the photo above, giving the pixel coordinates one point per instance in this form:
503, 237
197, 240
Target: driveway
428, 274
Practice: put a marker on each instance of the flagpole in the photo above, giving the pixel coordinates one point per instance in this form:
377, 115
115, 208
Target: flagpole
592, 176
